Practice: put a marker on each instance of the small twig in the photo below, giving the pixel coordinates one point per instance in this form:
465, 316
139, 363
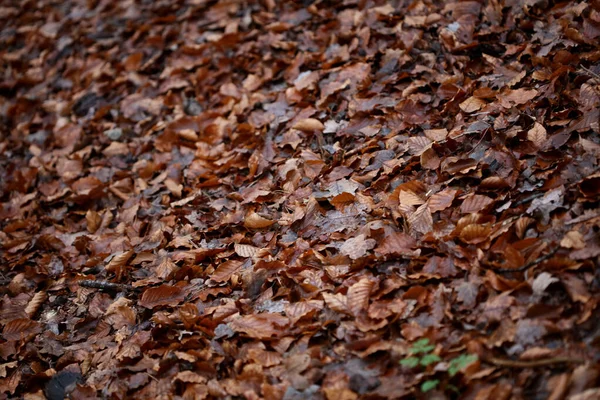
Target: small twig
592, 73
528, 265
532, 363
104, 285
567, 187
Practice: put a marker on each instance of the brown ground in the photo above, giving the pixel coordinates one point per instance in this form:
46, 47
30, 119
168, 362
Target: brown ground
299, 200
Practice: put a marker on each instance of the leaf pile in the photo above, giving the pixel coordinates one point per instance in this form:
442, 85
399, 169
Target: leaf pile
273, 199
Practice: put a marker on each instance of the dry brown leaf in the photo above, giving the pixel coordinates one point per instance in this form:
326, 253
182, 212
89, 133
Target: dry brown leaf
442, 200
436, 135
409, 198
297, 310
397, 243
164, 295
94, 220
255, 221
537, 135
472, 104
475, 233
421, 220
522, 224
259, 326
35, 303
418, 144
337, 302
475, 203
357, 298
429, 159
166, 268
357, 247
119, 260
245, 250
21, 328
494, 183
225, 270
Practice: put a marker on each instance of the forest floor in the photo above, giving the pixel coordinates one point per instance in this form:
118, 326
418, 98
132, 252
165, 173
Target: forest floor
299, 200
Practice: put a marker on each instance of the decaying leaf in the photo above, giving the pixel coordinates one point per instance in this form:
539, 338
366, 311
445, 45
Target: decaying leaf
282, 200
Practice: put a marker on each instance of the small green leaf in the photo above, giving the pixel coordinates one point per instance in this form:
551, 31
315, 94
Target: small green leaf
453, 388
456, 365
421, 346
428, 385
410, 362
428, 359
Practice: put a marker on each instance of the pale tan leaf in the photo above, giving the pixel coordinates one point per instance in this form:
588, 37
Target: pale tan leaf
189, 377
119, 260
309, 125
409, 198
188, 134
297, 310
442, 200
472, 104
573, 240
337, 302
357, 247
245, 250
421, 220
164, 295
436, 135
35, 303
358, 296
166, 268
255, 221
226, 270
537, 135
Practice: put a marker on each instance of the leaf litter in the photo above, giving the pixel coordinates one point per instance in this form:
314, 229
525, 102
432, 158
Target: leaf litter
284, 200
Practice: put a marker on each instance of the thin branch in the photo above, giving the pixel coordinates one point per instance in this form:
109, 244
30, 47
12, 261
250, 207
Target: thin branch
105, 285
528, 265
567, 187
590, 72
533, 363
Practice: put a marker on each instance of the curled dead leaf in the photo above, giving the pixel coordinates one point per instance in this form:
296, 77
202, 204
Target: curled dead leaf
255, 221
34, 304
475, 233
309, 125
